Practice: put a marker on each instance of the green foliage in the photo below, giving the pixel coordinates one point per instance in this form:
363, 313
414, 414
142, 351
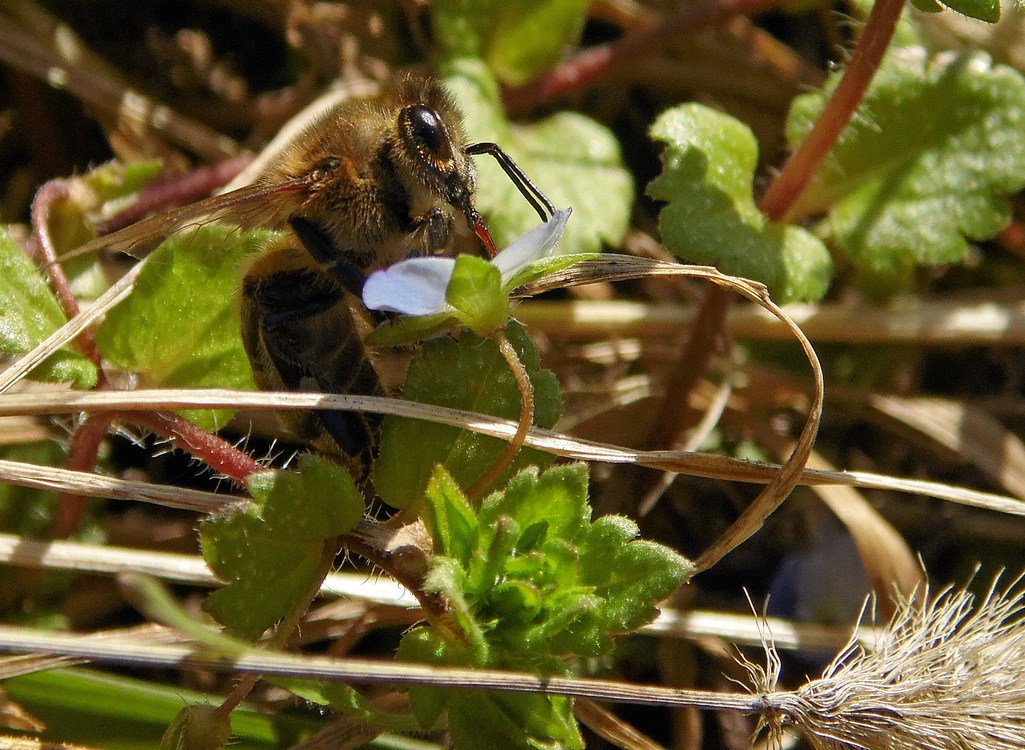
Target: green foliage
572, 158
983, 10
708, 165
269, 549
27, 511
531, 583
197, 727
81, 707
469, 373
476, 289
518, 39
924, 167
29, 314
180, 327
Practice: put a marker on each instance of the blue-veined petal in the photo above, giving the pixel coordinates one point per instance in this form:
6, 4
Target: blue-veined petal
417, 286
539, 242
412, 287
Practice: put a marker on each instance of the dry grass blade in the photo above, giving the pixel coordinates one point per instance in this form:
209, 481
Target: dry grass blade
693, 464
928, 323
968, 432
943, 677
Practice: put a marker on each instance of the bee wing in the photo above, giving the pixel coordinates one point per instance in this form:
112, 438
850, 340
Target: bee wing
262, 204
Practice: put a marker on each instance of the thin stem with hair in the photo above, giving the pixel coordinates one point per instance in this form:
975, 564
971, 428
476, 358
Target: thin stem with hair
493, 472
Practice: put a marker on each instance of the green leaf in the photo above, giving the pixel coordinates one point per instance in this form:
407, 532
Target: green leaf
571, 158
475, 291
924, 166
532, 584
269, 549
708, 165
180, 327
518, 39
29, 313
466, 374
984, 10
449, 517
199, 727
496, 721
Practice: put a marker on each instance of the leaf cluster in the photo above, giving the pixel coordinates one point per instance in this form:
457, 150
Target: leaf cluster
532, 583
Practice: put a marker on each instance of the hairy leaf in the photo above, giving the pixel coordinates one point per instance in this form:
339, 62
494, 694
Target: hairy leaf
466, 374
180, 327
269, 549
29, 313
532, 584
925, 166
707, 169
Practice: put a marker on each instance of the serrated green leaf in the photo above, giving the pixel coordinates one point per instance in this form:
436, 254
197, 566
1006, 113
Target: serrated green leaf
269, 549
630, 575
518, 39
924, 167
572, 159
466, 374
557, 498
535, 585
180, 327
29, 313
708, 166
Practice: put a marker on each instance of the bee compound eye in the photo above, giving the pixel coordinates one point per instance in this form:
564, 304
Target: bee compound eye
326, 166
425, 131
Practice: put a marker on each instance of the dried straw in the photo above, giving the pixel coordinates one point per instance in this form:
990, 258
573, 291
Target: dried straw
943, 676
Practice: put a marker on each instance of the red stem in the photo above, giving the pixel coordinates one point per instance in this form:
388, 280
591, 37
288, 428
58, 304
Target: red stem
783, 193
216, 453
50, 193
176, 190
85, 445
594, 63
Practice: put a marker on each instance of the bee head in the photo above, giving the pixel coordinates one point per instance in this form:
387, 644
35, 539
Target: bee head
433, 152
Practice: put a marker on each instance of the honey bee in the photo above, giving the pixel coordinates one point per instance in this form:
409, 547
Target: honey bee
369, 183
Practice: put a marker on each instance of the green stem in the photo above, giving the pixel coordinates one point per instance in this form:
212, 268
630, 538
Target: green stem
489, 477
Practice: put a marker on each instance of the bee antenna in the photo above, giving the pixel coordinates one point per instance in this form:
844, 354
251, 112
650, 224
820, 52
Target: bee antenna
538, 200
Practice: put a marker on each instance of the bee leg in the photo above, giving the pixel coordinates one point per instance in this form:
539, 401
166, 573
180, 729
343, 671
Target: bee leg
299, 334
324, 251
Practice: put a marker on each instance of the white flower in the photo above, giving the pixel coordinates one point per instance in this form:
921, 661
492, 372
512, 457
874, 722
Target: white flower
417, 286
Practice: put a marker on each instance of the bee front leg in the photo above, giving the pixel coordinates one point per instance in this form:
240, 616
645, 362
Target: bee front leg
324, 251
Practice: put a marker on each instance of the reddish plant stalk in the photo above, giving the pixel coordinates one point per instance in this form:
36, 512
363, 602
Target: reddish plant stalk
595, 63
799, 169
176, 190
218, 454
85, 446
50, 193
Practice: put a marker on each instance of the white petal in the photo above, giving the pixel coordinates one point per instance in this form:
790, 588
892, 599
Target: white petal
539, 242
411, 287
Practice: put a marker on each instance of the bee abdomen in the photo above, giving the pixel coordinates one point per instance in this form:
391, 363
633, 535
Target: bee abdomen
298, 331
